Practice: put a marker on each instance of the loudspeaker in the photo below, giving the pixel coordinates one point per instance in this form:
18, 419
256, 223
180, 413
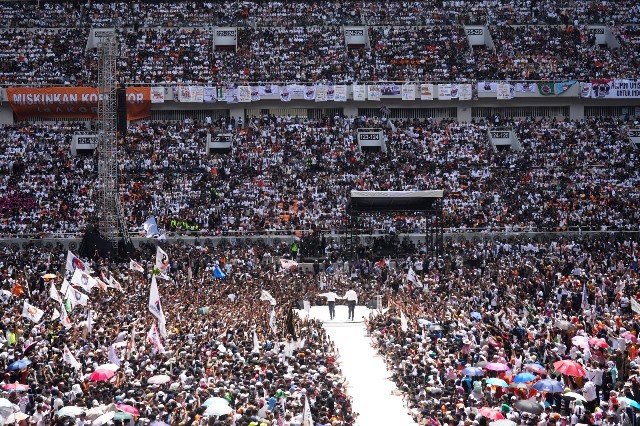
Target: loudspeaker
121, 112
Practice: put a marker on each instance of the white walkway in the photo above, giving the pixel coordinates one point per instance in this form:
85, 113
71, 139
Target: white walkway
365, 371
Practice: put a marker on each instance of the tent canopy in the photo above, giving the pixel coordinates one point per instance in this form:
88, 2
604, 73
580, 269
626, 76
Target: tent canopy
393, 201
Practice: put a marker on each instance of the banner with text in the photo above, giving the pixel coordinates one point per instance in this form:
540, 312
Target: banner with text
611, 89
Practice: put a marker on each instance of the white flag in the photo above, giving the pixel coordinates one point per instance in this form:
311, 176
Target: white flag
31, 312
272, 320
83, 280
113, 356
154, 337
155, 307
53, 293
64, 317
265, 295
55, 315
306, 414
403, 322
256, 343
74, 262
5, 295
162, 260
136, 266
76, 297
68, 357
411, 276
89, 322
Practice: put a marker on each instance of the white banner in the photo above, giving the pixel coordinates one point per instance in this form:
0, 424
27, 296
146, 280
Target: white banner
426, 92
444, 92
285, 95
255, 94
505, 91
209, 94
604, 89
268, 90
408, 92
487, 86
390, 89
310, 93
230, 95
331, 92
359, 92
340, 93
465, 92
296, 91
184, 94
197, 93
526, 87
374, 93
244, 94
157, 95
321, 93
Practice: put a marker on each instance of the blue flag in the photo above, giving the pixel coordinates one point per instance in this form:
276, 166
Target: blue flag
217, 273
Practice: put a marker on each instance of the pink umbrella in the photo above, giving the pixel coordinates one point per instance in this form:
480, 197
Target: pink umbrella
128, 409
15, 387
601, 343
102, 374
490, 413
496, 366
570, 368
629, 336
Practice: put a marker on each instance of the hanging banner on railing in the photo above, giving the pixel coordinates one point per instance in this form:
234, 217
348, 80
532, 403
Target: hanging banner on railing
390, 89
255, 94
359, 92
487, 86
426, 92
526, 87
554, 88
444, 92
340, 93
505, 91
157, 95
374, 92
610, 89
244, 94
72, 102
285, 95
310, 93
408, 92
321, 93
331, 93
268, 90
465, 92
231, 94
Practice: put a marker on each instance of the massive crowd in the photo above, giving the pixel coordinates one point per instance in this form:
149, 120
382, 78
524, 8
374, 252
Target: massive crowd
283, 175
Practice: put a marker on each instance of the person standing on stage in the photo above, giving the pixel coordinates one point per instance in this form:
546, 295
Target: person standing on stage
331, 301
352, 299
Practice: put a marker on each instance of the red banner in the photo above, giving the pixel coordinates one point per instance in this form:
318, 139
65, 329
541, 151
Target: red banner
72, 102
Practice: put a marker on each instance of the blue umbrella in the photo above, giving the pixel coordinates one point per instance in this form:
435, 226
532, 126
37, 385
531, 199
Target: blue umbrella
472, 371
20, 364
497, 382
524, 378
476, 315
548, 385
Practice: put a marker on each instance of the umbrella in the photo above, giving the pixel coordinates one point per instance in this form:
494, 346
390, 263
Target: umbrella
529, 406
565, 325
476, 315
20, 364
503, 422
629, 401
496, 366
215, 400
95, 412
570, 368
482, 364
519, 386
575, 396
100, 375
15, 387
549, 385
629, 336
16, 418
49, 276
111, 367
601, 343
580, 341
203, 310
490, 413
122, 416
71, 411
218, 410
472, 371
435, 327
160, 379
535, 368
524, 378
5, 403
103, 419
494, 381
128, 409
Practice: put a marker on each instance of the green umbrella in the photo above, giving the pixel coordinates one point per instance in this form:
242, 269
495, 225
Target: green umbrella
121, 415
203, 310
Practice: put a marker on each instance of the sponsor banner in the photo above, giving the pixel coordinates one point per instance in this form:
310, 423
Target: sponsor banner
444, 92
296, 91
268, 90
72, 102
390, 89
210, 94
505, 91
408, 92
310, 93
526, 87
465, 92
340, 93
426, 92
157, 95
355, 35
374, 92
487, 86
244, 94
359, 92
555, 88
321, 93
197, 93
255, 94
611, 89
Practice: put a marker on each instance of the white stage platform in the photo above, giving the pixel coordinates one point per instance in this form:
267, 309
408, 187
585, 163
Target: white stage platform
366, 373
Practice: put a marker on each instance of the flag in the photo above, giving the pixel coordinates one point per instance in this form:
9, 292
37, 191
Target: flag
291, 329
217, 273
403, 322
68, 358
155, 307
306, 414
288, 264
83, 280
89, 322
411, 276
162, 260
110, 280
272, 320
154, 338
585, 302
74, 262
132, 342
256, 343
76, 297
32, 312
64, 318
5, 295
150, 227
55, 315
53, 293
113, 356
136, 266
265, 295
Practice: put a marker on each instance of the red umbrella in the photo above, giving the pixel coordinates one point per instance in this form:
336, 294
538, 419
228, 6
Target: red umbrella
570, 368
102, 374
496, 366
601, 343
128, 409
490, 413
15, 387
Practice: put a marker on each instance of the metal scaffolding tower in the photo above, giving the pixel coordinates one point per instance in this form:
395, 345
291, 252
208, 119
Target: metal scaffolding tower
110, 213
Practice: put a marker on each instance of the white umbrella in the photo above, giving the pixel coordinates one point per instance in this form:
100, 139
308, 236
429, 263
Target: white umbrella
71, 411
580, 341
103, 419
16, 417
111, 367
575, 396
503, 422
95, 412
160, 379
4, 402
218, 410
215, 400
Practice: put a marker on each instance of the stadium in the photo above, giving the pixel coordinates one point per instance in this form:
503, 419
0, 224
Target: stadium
303, 213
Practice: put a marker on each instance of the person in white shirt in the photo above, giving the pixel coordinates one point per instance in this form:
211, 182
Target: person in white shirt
352, 299
331, 301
